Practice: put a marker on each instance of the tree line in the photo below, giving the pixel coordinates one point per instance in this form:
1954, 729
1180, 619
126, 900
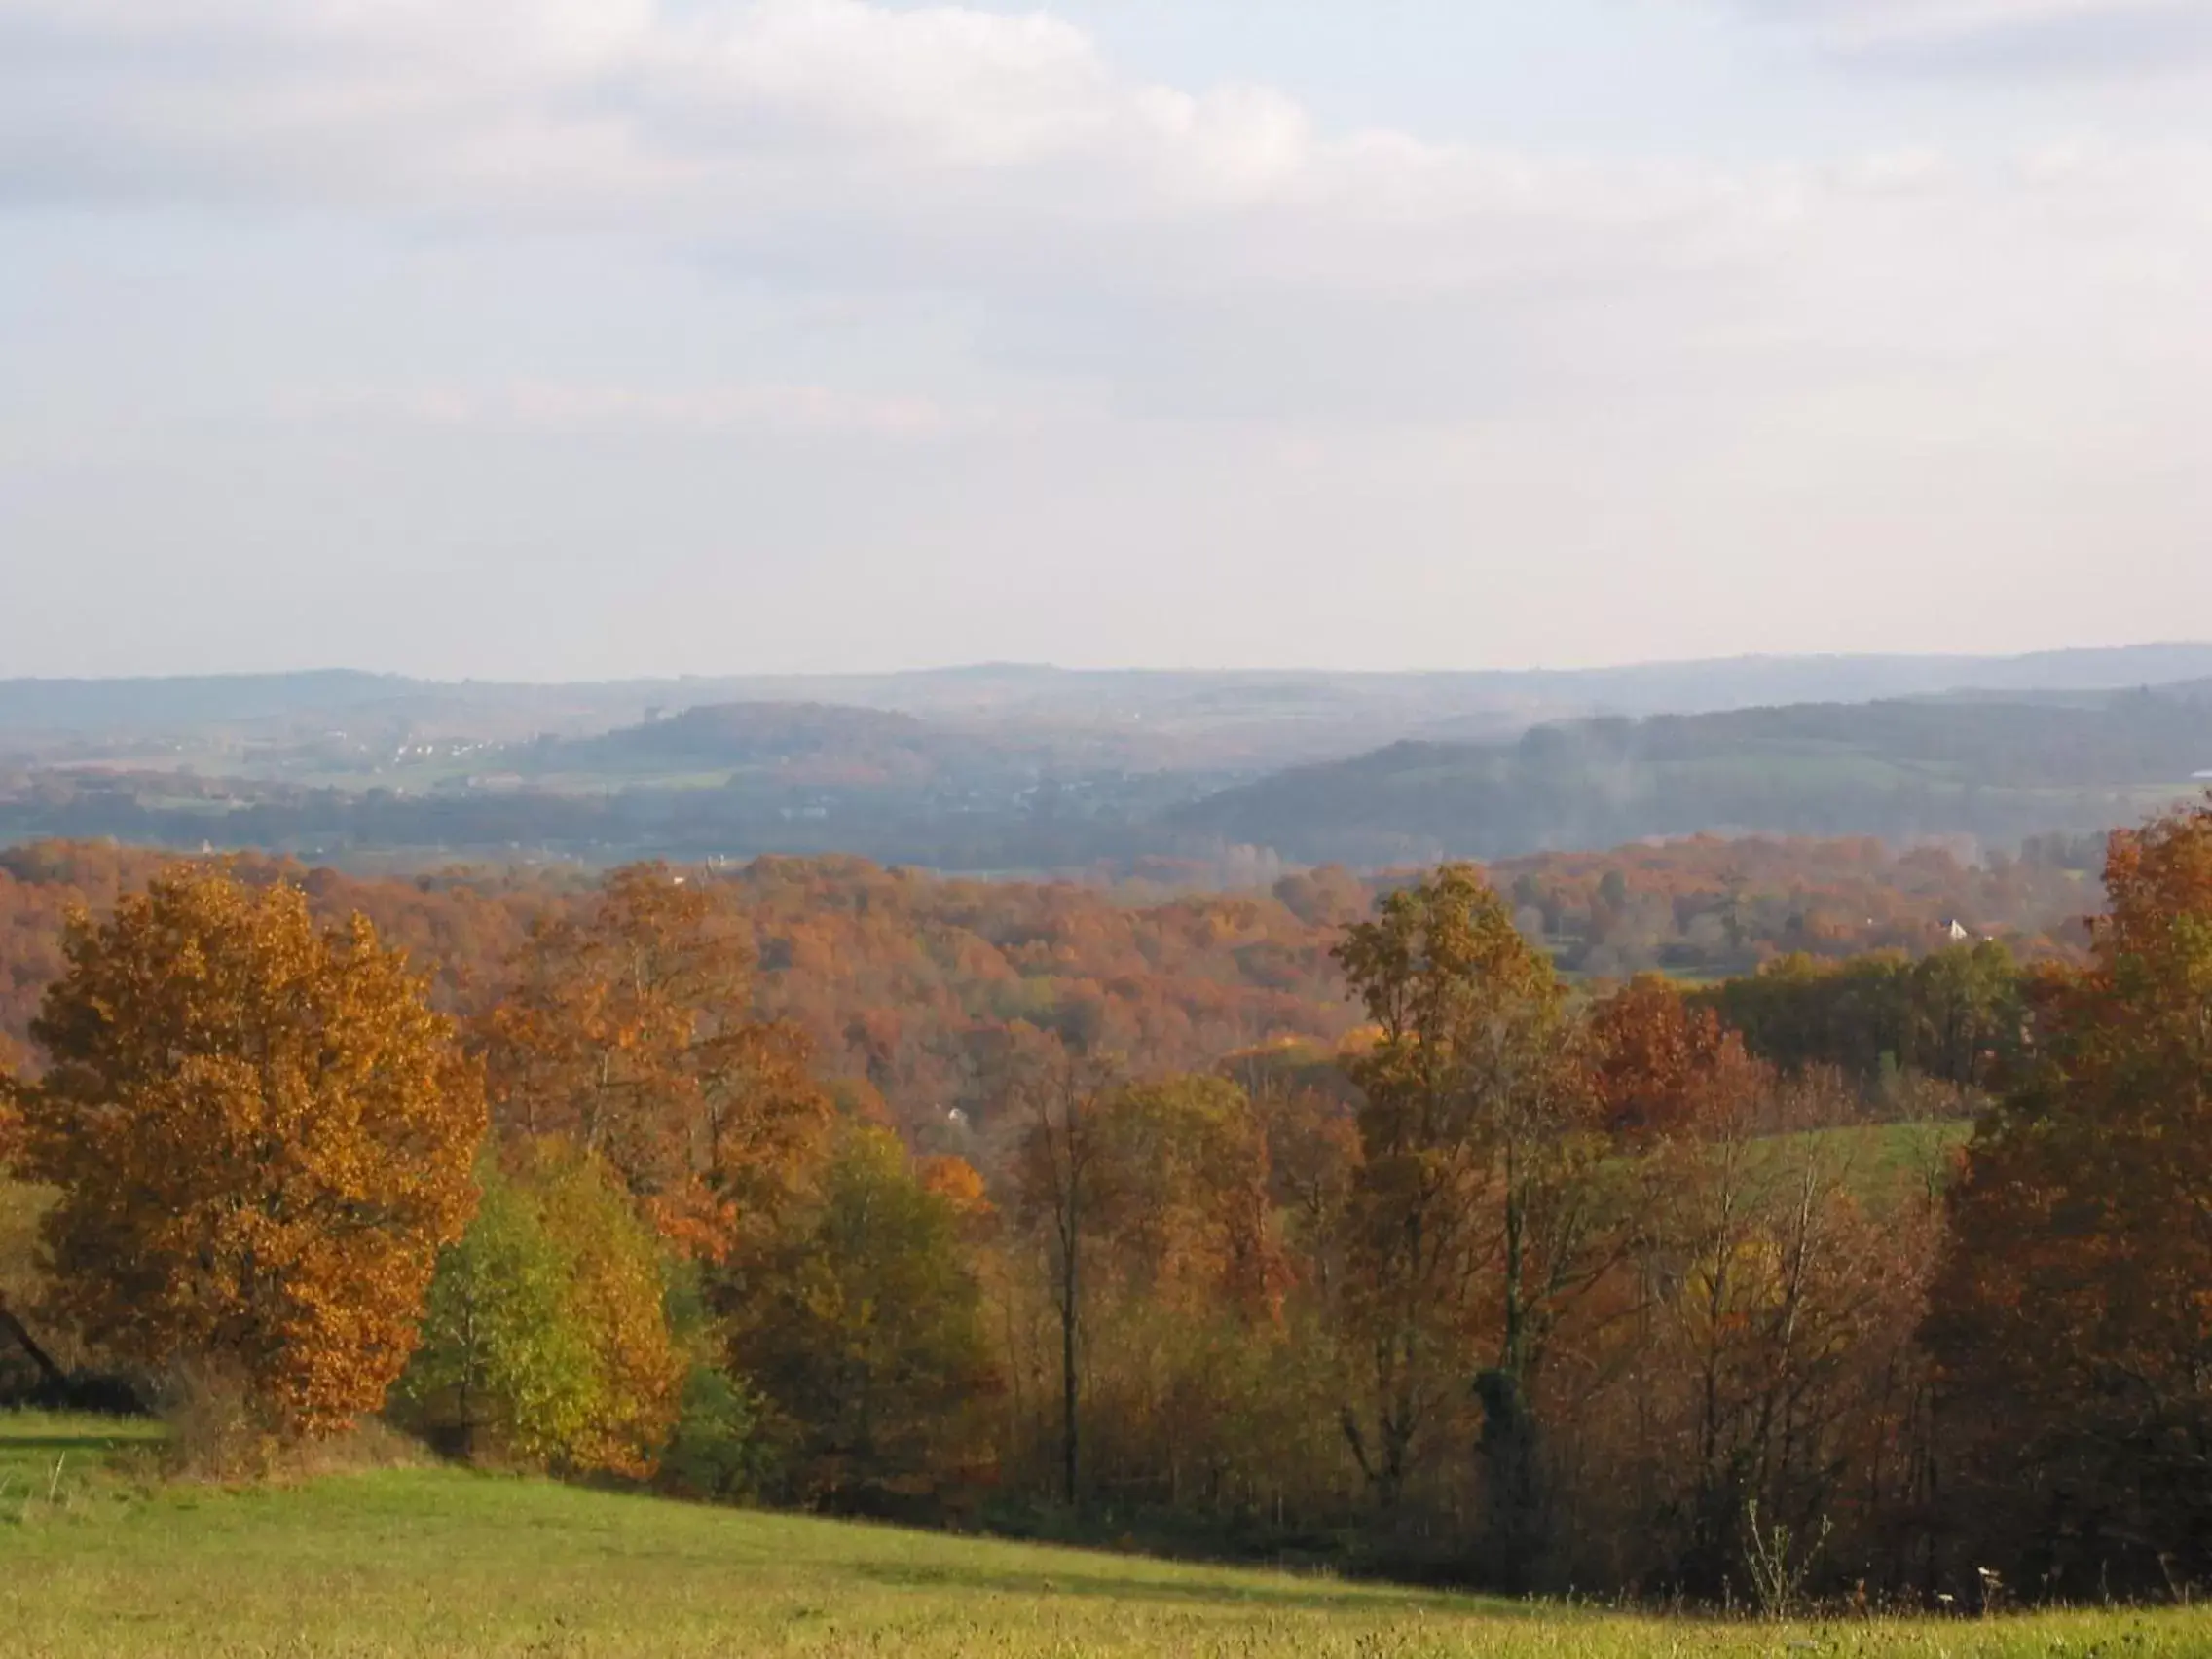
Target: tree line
902, 979
1519, 1283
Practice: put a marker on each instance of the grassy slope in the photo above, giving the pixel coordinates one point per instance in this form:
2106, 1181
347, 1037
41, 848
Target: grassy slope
1884, 1163
436, 1562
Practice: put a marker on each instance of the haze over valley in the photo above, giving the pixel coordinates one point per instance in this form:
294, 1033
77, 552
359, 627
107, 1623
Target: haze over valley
1027, 769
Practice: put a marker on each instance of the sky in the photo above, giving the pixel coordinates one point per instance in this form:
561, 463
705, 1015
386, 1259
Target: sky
569, 338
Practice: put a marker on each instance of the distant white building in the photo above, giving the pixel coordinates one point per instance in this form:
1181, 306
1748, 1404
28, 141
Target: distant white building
1959, 934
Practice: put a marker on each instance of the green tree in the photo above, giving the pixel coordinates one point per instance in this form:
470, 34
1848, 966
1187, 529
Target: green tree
719, 1449
1967, 1012
503, 1363
861, 1327
545, 1338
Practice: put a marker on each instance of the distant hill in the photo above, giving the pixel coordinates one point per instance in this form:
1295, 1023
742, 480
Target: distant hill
1994, 769
740, 736
1263, 718
1701, 687
186, 701
1013, 768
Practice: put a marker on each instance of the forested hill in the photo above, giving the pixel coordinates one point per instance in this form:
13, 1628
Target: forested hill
840, 741
185, 701
1995, 770
1043, 787
181, 705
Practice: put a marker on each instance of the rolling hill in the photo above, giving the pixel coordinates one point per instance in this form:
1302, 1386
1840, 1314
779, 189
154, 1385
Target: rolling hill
1991, 768
1287, 714
799, 743
1056, 772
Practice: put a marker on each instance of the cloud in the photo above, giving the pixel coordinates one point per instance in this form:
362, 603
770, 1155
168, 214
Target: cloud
1212, 252
565, 407
2036, 38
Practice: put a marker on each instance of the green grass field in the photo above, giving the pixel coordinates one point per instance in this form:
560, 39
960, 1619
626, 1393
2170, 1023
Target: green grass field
1886, 1162
98, 1559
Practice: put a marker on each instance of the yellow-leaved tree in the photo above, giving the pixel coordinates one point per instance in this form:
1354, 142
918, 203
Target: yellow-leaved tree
261, 1135
545, 1340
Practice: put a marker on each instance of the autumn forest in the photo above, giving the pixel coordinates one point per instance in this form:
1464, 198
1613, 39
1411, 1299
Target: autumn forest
1737, 1222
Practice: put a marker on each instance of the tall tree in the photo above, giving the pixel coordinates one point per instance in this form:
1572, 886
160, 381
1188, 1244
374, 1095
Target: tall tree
1056, 1095
1184, 1210
1482, 1172
861, 1325
2070, 1324
261, 1135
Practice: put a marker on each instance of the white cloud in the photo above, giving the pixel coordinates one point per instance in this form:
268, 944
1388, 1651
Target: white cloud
2044, 38
706, 122
555, 406
1208, 251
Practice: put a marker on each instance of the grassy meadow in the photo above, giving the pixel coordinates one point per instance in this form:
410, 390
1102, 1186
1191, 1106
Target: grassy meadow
1885, 1163
98, 1558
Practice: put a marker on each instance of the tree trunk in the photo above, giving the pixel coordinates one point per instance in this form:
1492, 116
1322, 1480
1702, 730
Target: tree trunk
1068, 1380
1513, 1521
49, 1372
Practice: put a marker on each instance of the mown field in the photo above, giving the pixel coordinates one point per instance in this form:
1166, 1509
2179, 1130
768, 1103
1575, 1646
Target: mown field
97, 1557
1887, 1162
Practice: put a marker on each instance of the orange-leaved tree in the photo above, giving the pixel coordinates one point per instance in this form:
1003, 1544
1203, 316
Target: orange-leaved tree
630, 1030
261, 1135
2071, 1322
1654, 1054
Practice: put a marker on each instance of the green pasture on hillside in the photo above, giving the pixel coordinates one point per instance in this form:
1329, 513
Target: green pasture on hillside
98, 1558
1888, 1162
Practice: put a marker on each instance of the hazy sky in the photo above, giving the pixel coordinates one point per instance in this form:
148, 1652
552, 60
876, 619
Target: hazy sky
576, 338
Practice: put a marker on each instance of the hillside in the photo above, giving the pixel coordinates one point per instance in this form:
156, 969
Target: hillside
428, 1562
796, 744
1221, 718
1004, 771
1991, 768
